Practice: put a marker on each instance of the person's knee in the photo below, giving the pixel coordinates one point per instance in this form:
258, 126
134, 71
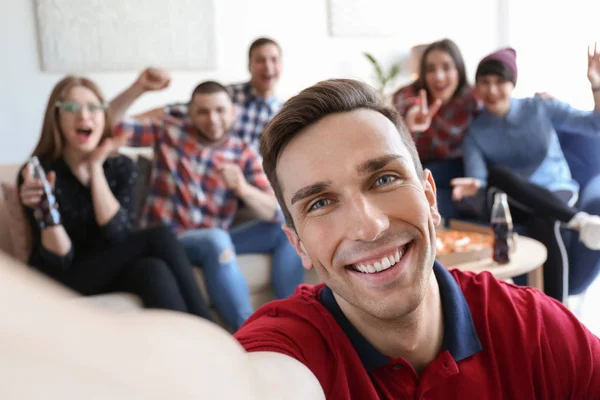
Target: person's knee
221, 241
218, 239
153, 268
226, 255
214, 241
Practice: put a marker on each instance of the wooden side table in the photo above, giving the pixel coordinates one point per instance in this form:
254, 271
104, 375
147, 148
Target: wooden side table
528, 258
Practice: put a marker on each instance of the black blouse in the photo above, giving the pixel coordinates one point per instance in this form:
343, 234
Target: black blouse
77, 212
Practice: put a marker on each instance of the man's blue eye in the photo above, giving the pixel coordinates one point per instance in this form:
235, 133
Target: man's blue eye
384, 180
319, 204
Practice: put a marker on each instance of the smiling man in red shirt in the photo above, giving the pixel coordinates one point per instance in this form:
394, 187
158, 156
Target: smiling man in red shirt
389, 322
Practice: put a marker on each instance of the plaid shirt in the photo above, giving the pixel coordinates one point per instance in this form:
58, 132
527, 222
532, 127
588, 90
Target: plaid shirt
187, 191
254, 112
443, 140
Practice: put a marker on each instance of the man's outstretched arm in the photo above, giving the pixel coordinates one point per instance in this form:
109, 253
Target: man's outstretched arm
151, 79
55, 342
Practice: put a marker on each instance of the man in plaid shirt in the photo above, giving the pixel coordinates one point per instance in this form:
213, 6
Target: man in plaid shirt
200, 175
255, 101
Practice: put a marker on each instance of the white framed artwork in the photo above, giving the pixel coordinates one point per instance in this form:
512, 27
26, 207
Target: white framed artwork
364, 18
122, 35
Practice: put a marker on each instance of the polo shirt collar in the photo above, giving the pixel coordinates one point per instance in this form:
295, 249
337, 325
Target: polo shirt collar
460, 337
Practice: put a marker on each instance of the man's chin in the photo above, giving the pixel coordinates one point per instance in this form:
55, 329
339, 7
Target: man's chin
210, 137
392, 307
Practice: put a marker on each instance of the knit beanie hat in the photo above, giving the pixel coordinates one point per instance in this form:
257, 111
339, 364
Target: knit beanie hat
507, 57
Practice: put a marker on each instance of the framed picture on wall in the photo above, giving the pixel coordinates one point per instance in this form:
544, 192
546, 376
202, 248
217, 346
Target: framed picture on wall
114, 35
363, 18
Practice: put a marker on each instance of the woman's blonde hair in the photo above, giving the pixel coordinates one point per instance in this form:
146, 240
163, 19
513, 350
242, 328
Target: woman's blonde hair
52, 141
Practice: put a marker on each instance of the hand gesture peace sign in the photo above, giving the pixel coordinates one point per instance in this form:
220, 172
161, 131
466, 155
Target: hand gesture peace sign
418, 118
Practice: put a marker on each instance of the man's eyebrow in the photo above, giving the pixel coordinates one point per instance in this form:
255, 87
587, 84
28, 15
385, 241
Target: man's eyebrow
375, 164
310, 190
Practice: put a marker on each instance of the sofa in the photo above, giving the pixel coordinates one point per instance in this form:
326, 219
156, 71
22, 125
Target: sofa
255, 267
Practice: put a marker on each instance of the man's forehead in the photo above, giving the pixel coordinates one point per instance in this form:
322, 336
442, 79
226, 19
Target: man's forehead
210, 99
265, 49
338, 145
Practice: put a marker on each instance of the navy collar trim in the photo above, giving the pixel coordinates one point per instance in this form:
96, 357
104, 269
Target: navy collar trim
460, 336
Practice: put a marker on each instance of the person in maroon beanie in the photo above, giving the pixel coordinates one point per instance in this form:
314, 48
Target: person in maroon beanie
513, 146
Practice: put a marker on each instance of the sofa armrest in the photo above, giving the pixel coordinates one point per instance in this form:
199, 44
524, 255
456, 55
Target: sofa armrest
581, 152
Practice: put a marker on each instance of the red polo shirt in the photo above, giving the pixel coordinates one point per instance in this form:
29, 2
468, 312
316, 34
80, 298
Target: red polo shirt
500, 342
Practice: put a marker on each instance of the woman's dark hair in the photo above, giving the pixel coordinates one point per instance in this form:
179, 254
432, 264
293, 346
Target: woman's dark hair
495, 67
451, 48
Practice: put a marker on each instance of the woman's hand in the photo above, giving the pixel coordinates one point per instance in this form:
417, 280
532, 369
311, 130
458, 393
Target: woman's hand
418, 118
464, 187
152, 79
105, 148
32, 189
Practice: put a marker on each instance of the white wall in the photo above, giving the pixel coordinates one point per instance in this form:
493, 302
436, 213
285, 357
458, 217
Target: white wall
551, 47
310, 54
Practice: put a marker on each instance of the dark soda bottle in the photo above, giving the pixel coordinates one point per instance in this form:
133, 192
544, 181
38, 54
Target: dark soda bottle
46, 212
501, 223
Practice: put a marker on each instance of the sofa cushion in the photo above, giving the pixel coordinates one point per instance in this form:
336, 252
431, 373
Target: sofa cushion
16, 222
581, 152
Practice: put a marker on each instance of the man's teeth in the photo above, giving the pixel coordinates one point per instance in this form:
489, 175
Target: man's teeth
381, 265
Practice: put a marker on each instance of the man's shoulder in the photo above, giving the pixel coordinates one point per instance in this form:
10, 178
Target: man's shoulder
176, 110
300, 327
505, 309
522, 329
289, 326
304, 302
238, 91
238, 85
484, 286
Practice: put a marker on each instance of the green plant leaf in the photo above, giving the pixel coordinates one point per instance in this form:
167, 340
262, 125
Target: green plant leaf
394, 71
378, 69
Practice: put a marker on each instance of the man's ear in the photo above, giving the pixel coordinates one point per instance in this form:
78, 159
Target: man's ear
299, 246
431, 195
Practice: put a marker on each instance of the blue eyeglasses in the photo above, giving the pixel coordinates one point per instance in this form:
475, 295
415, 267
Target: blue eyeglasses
73, 107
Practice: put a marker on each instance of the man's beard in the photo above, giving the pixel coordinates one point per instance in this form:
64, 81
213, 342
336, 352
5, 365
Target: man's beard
205, 139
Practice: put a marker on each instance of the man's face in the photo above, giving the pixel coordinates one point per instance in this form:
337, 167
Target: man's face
359, 207
495, 93
212, 115
265, 67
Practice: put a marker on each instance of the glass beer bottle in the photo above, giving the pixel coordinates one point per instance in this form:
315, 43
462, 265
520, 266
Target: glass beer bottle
502, 226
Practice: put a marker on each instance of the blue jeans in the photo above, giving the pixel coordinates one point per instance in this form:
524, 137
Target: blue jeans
214, 249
